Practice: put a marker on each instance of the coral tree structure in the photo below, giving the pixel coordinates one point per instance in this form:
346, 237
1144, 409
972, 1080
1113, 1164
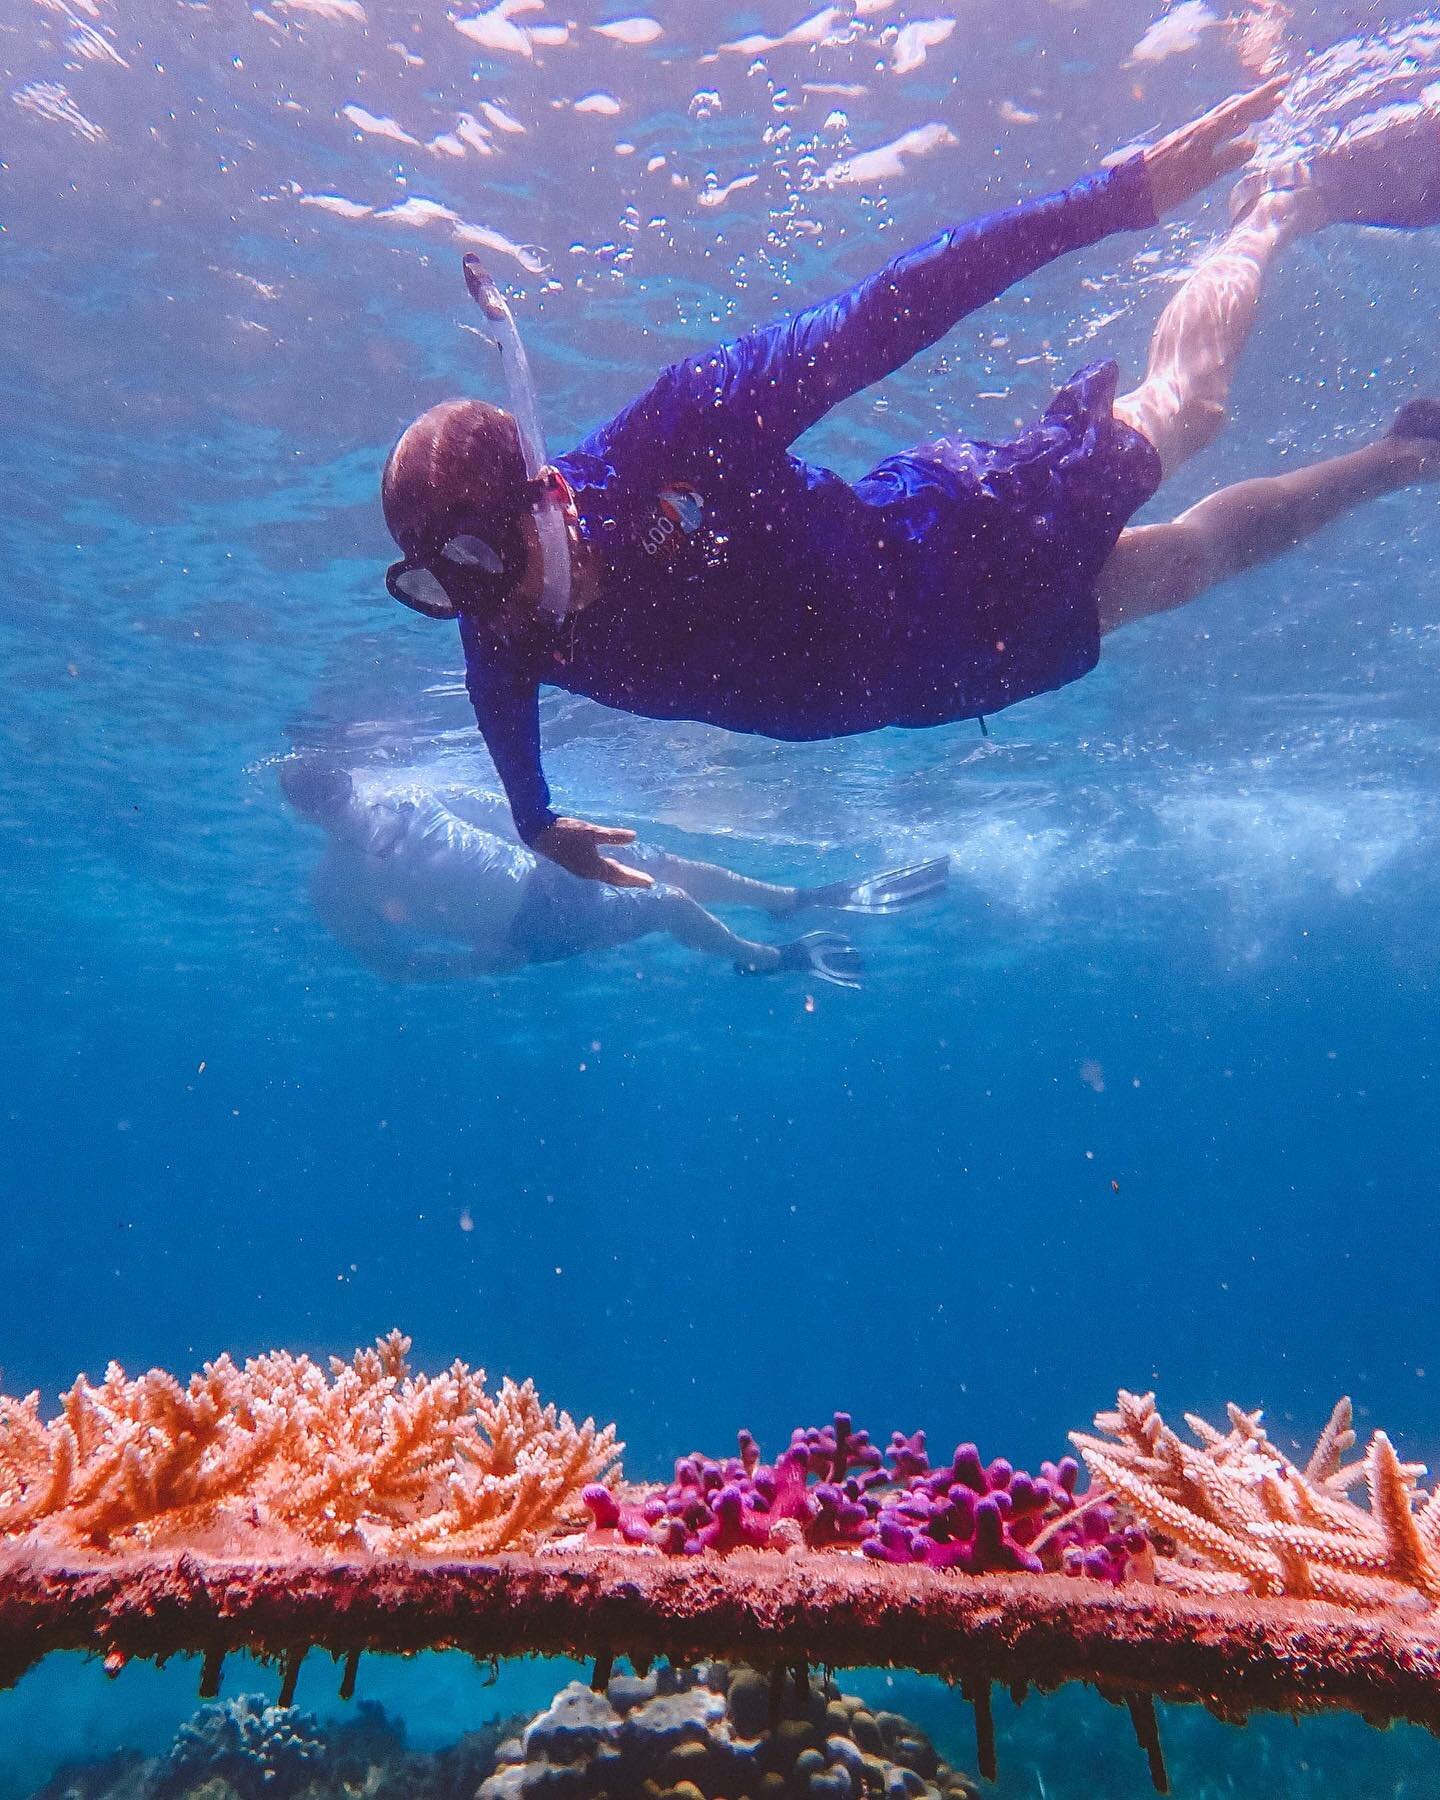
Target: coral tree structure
834, 1489
280, 1454
1241, 1518
276, 1507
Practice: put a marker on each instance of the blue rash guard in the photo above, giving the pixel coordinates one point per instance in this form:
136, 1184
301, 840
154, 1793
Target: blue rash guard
745, 587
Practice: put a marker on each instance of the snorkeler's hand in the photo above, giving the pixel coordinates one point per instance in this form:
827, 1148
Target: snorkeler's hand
575, 845
1185, 163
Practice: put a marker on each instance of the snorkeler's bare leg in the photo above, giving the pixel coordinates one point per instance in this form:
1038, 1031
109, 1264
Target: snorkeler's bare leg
1180, 405
671, 910
824, 954
1155, 568
874, 891
714, 885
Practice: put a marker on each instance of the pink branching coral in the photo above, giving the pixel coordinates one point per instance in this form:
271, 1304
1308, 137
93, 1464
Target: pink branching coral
832, 1488
368, 1456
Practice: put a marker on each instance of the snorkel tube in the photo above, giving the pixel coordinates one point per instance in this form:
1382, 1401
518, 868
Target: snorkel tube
549, 510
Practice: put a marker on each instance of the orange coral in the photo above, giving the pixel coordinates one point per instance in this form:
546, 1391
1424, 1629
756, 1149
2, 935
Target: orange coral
369, 1456
1246, 1519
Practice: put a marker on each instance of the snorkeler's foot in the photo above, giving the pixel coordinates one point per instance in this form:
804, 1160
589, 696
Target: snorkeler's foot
1414, 436
1419, 418
823, 954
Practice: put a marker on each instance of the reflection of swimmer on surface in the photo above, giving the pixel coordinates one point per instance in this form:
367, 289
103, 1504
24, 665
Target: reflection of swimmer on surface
408, 867
683, 562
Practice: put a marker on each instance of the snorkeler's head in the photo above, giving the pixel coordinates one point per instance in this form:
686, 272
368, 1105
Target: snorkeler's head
320, 791
455, 493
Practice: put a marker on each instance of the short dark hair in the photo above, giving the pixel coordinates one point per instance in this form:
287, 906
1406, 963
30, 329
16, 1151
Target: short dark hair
316, 787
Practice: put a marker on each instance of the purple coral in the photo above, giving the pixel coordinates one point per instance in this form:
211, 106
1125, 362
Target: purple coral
832, 1488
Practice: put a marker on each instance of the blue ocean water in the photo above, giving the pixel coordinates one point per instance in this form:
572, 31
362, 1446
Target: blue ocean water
1150, 1100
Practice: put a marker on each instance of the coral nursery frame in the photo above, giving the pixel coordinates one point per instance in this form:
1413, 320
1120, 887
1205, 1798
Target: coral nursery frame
1234, 1655
280, 1507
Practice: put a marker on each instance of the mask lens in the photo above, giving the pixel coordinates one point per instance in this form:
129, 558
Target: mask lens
473, 553
420, 589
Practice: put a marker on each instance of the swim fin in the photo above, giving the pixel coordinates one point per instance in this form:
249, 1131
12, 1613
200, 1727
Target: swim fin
826, 955
891, 891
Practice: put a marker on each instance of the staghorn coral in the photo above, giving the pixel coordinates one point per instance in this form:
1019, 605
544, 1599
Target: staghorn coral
369, 1456
832, 1489
1242, 1518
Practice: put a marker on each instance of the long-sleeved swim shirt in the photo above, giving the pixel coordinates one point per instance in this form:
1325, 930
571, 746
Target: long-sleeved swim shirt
743, 586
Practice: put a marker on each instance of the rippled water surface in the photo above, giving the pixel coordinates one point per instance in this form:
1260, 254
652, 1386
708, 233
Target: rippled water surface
1150, 1099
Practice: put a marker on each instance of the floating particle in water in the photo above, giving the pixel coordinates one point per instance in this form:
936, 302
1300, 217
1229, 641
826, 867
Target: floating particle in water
467, 1220
606, 105
1092, 1074
704, 104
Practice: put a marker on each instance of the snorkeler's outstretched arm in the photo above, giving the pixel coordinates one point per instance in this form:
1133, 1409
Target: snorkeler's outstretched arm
787, 375
504, 689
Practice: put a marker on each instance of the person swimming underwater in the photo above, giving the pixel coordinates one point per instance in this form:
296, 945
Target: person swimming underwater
412, 866
682, 563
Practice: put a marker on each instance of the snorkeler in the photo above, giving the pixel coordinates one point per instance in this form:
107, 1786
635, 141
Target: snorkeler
411, 867
680, 562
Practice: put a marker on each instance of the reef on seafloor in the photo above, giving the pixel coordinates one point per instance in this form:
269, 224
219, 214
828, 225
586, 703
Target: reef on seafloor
691, 1734
277, 1508
246, 1748
673, 1734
